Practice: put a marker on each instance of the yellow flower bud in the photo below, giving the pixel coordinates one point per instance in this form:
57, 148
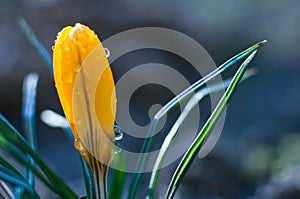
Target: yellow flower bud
76, 50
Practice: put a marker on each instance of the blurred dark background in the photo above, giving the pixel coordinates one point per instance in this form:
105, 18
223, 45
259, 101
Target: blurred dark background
257, 155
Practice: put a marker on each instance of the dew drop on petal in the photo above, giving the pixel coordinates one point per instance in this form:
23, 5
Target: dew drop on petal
64, 45
78, 121
77, 92
76, 67
67, 78
118, 133
83, 51
77, 143
79, 146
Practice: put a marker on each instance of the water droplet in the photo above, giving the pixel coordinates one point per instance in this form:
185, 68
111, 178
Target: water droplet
77, 143
79, 146
118, 148
67, 78
107, 52
64, 45
83, 51
52, 47
77, 91
118, 133
76, 67
78, 121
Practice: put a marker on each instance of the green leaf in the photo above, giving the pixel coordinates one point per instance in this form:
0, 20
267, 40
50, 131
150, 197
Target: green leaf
10, 137
11, 149
191, 153
117, 177
5, 191
8, 176
6, 164
28, 114
28, 32
54, 119
175, 102
88, 179
201, 94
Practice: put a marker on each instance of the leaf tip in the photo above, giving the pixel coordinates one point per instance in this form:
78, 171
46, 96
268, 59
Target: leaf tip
263, 42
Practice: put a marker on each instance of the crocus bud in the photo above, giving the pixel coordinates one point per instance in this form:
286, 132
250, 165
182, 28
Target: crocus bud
86, 90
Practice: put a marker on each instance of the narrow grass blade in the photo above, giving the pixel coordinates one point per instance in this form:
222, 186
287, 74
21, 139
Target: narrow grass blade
191, 153
117, 177
18, 191
28, 32
88, 179
55, 120
7, 165
87, 175
20, 158
173, 132
9, 136
28, 114
5, 191
174, 102
8, 176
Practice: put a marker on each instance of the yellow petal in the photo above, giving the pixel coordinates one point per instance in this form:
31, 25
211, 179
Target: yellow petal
75, 49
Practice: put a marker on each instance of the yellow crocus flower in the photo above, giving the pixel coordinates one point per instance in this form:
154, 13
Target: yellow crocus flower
90, 111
